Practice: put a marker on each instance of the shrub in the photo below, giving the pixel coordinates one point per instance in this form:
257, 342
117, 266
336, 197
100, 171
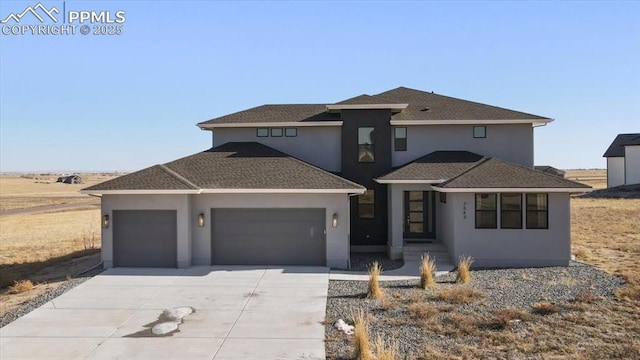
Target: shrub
20, 286
375, 292
464, 265
361, 336
427, 268
545, 308
386, 351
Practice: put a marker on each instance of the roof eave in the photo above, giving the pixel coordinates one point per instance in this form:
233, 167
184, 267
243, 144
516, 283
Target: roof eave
508, 189
224, 191
425, 181
534, 122
204, 126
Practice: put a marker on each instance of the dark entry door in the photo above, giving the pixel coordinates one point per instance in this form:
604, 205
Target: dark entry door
419, 215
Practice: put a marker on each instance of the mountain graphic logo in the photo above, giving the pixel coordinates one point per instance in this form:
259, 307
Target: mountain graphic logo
34, 11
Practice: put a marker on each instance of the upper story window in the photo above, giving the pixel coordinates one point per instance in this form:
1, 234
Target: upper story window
276, 132
537, 211
479, 132
511, 211
366, 205
365, 145
262, 132
486, 211
290, 132
400, 139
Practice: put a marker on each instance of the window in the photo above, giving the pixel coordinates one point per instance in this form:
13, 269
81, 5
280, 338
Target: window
537, 211
262, 132
276, 132
511, 211
479, 131
366, 205
486, 211
365, 145
400, 137
290, 132
443, 197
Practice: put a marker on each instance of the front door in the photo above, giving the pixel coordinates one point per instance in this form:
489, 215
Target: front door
419, 215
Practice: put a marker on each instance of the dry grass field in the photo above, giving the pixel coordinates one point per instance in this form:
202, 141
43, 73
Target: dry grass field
596, 178
45, 244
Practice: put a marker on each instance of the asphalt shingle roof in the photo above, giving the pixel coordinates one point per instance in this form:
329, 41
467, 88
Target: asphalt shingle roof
463, 169
496, 173
616, 149
435, 166
447, 108
278, 113
234, 165
422, 106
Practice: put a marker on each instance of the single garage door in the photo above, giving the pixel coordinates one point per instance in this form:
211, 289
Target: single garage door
145, 238
268, 236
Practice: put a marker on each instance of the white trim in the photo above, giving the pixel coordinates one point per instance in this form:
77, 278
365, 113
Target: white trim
469, 122
334, 107
139, 192
379, 181
512, 190
282, 191
224, 191
270, 124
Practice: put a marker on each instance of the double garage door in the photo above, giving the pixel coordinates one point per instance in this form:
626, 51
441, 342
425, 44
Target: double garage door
148, 238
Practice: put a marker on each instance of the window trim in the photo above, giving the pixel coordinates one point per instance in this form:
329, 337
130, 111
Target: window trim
395, 139
295, 132
502, 211
484, 132
372, 204
546, 196
495, 211
258, 132
372, 145
281, 132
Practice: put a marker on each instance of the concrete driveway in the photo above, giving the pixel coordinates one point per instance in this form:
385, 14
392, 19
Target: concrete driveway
240, 312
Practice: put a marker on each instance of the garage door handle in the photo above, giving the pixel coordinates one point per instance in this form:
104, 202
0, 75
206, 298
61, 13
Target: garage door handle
312, 231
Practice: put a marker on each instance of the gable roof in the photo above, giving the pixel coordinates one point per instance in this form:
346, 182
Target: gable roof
616, 149
232, 167
460, 170
429, 106
406, 104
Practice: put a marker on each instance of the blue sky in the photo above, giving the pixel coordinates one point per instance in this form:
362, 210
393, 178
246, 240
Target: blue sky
124, 102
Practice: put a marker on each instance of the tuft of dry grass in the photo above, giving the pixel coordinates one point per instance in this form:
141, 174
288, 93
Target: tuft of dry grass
422, 311
545, 308
361, 336
464, 266
505, 318
385, 351
458, 295
20, 287
427, 268
374, 291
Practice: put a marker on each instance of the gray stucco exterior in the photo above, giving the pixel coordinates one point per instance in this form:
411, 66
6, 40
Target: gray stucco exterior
509, 142
194, 242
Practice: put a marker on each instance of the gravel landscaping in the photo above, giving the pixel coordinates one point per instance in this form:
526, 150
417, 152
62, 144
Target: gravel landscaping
417, 318
362, 261
48, 296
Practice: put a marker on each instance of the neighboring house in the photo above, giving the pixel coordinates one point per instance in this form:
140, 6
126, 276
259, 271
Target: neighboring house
623, 160
71, 179
310, 183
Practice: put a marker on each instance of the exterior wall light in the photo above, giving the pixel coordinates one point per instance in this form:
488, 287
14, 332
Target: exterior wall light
105, 221
201, 220
334, 220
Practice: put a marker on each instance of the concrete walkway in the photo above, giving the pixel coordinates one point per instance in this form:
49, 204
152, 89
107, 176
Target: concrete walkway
409, 271
241, 312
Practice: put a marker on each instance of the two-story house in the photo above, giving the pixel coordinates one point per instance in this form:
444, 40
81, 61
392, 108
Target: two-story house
310, 183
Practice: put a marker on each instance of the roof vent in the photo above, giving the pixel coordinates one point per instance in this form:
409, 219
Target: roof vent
424, 109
